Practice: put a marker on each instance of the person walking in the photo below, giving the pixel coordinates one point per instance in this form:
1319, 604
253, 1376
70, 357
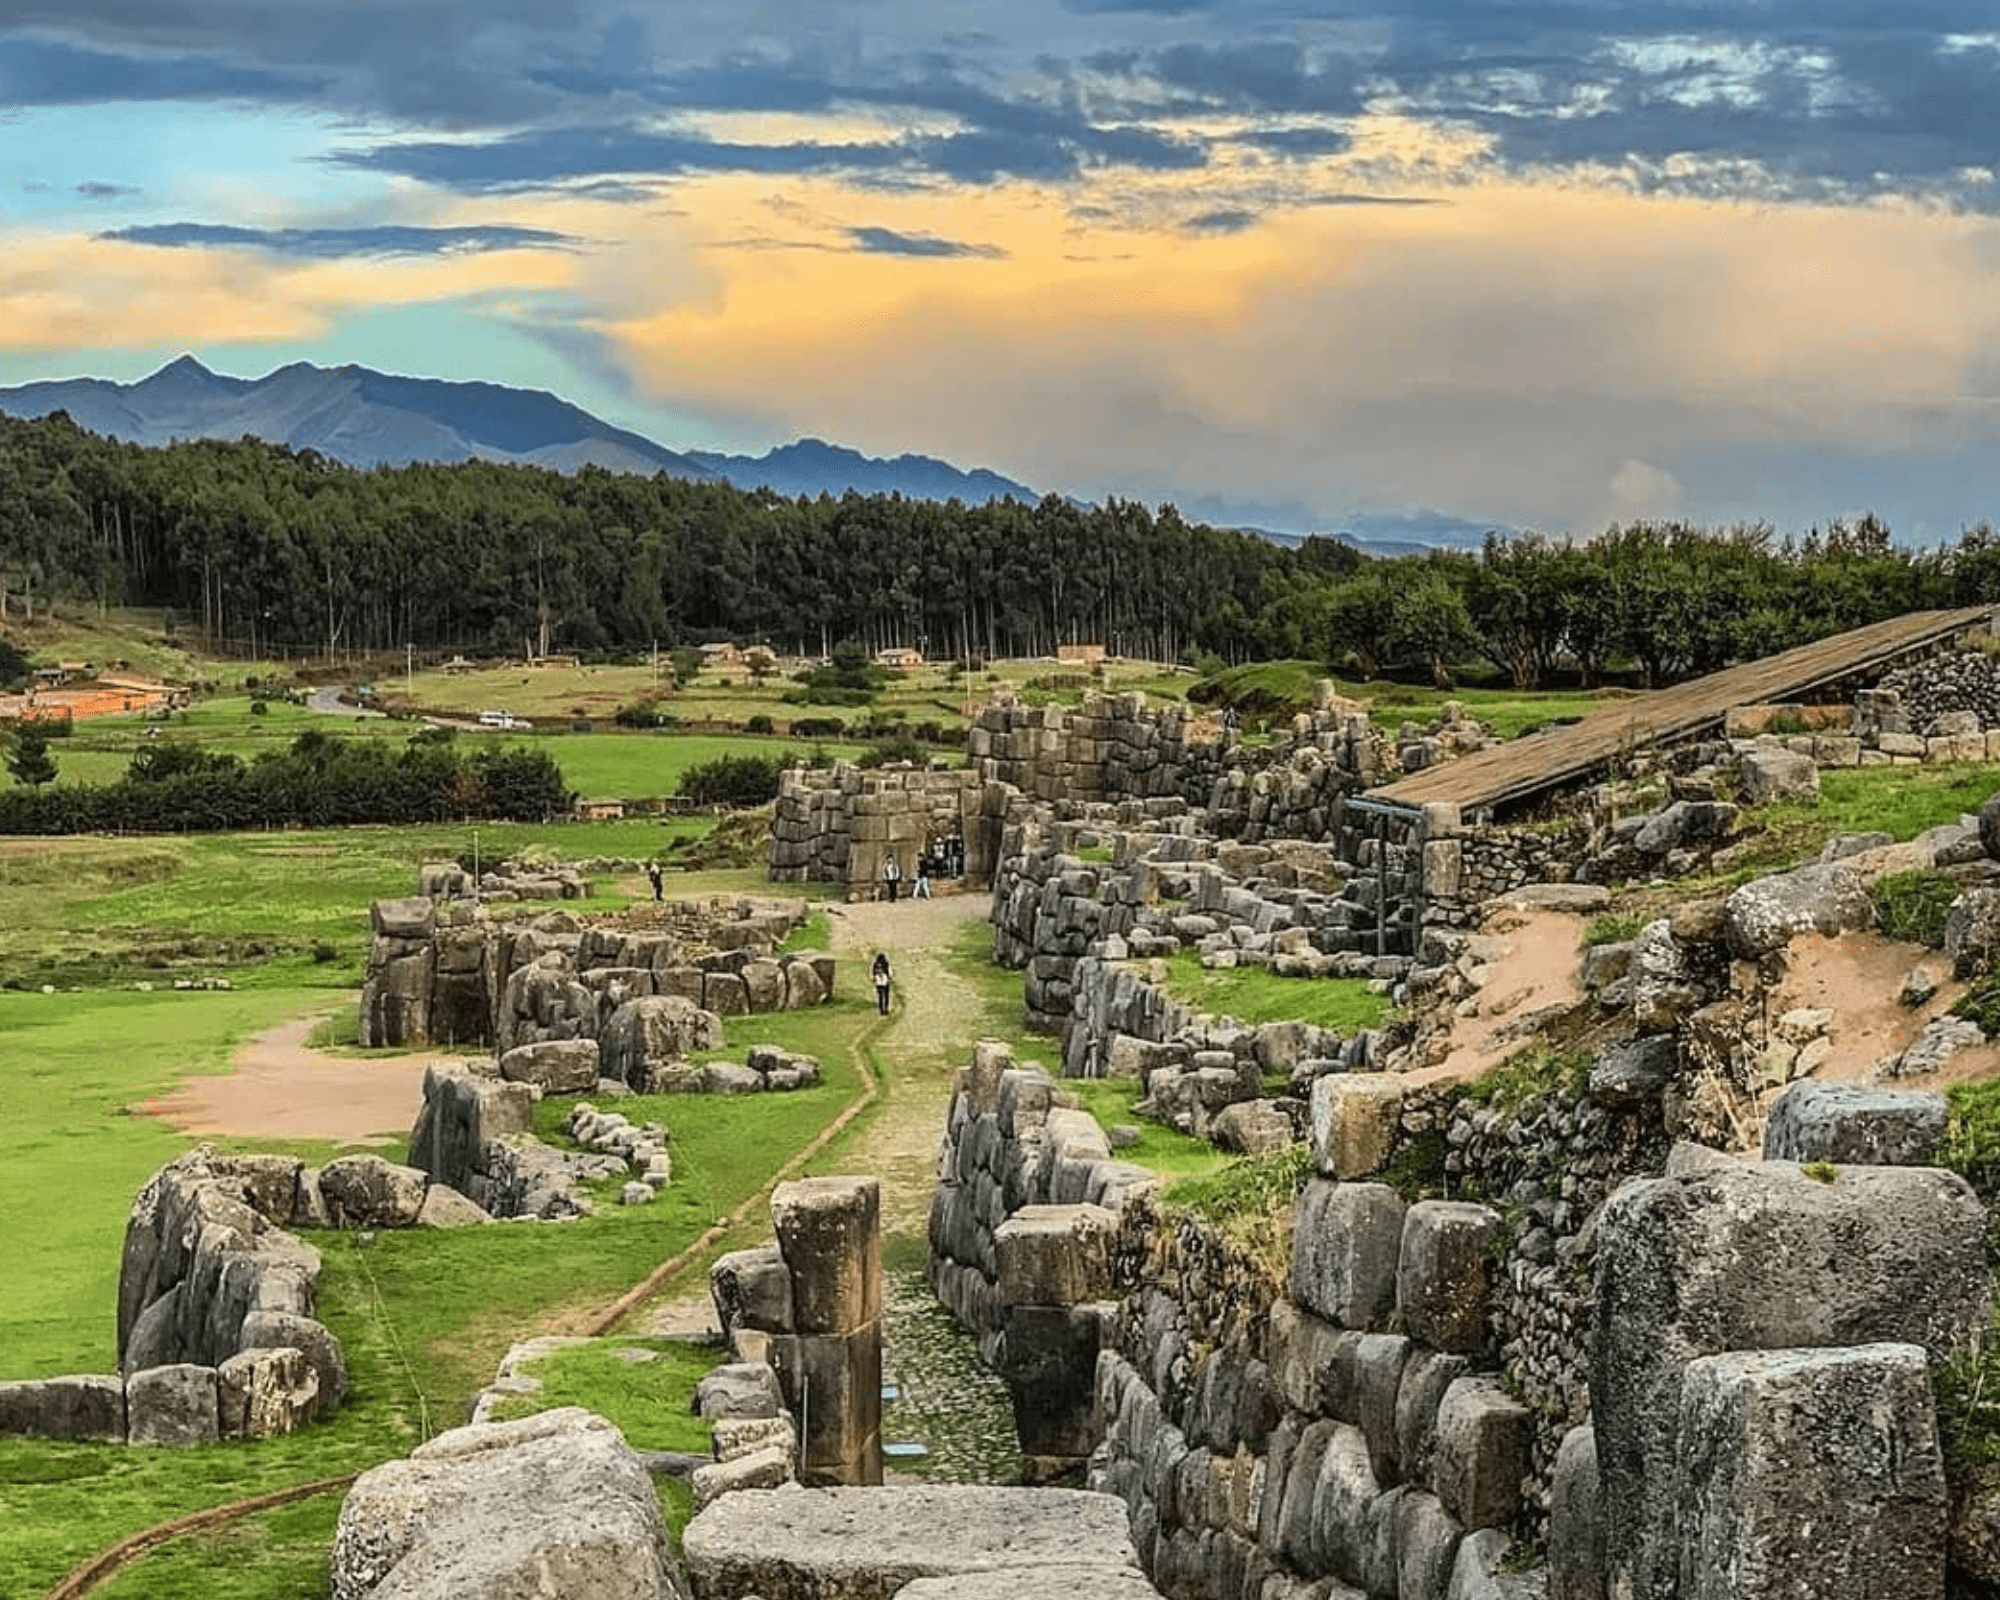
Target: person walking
658, 882
880, 974
892, 875
921, 889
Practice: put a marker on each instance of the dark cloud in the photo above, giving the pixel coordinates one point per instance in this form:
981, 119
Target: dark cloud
889, 242
105, 191
40, 72
1223, 221
1770, 100
333, 243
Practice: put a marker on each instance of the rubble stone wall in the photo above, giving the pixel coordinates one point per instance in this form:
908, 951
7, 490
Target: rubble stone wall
839, 824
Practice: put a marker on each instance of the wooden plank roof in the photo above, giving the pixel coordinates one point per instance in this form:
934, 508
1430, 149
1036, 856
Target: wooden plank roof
1509, 773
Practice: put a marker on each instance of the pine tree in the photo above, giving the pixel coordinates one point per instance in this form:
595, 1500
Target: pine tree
28, 757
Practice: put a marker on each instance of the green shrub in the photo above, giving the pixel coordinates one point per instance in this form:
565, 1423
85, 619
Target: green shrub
1914, 905
737, 781
1528, 1073
1614, 927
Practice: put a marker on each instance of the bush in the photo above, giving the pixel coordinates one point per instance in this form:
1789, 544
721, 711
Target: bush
818, 728
733, 781
760, 723
1914, 905
258, 708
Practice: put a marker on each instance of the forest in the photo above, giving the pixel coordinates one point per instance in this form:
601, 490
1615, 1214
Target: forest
265, 552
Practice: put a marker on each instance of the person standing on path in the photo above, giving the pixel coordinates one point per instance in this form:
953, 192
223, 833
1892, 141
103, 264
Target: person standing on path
892, 874
880, 974
654, 877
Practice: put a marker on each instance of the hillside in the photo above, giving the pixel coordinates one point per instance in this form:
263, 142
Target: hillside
351, 414
813, 467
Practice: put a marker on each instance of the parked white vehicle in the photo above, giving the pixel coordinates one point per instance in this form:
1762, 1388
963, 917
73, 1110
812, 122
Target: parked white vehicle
501, 719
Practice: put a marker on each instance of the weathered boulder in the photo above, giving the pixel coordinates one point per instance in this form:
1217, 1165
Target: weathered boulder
1740, 1256
172, 1405
1989, 826
1660, 985
445, 1207
1763, 915
1772, 1441
645, 1035
368, 1192
554, 1507
1630, 1076
829, 1231
89, 1407
463, 1113
752, 1289
1767, 773
1483, 1434
556, 1066
1356, 1121
1055, 1255
264, 1393
1346, 1242
1444, 1273
1972, 931
414, 918
1251, 1127
286, 1330
1576, 1520
739, 1389
870, 1543
1852, 1124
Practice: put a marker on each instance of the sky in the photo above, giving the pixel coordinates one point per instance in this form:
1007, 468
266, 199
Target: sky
1551, 264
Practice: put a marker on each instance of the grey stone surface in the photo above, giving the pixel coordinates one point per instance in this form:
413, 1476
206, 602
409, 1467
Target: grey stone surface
281, 1330
1444, 1273
829, 1232
1811, 1471
261, 1394
1576, 1520
869, 1543
1355, 1119
1756, 1256
1483, 1435
1632, 1075
558, 1066
646, 1035
1763, 915
1850, 1123
1052, 1582
1478, 1573
1346, 1242
1972, 931
172, 1405
1769, 773
1251, 1127
738, 1389
445, 1207
752, 1289
554, 1507
85, 1407
368, 1192
1055, 1255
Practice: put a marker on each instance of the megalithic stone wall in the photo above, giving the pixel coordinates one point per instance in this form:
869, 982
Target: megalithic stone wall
838, 824
811, 1309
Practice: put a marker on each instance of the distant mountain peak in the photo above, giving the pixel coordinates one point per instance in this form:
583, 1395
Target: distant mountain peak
811, 467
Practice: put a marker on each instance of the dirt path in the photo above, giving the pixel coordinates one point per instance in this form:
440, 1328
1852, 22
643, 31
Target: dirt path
279, 1087
934, 1020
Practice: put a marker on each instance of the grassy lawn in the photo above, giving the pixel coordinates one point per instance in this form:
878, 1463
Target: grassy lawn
1256, 995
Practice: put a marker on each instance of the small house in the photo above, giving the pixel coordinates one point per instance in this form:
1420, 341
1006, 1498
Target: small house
899, 657
600, 810
1088, 655
727, 654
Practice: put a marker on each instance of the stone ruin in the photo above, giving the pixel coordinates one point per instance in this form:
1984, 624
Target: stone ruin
440, 971
803, 1317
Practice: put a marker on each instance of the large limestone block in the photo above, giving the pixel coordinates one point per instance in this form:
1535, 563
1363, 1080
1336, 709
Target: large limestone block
1480, 1572
87, 1407
1823, 897
833, 1383
1050, 1362
1852, 1123
1483, 1434
414, 918
1427, 1538
281, 1330
1056, 1582
870, 1543
644, 1035
368, 1192
1811, 1471
1770, 773
554, 1507
1576, 1520
1444, 1273
1427, 1377
1346, 1240
830, 1233
557, 1066
1355, 1118
752, 1289
1303, 1348
738, 1389
263, 1394
172, 1405
1757, 1256
1055, 1255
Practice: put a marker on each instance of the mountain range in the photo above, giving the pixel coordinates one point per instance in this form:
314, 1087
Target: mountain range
367, 419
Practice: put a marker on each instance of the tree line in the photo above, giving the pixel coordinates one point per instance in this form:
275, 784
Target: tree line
176, 786
280, 552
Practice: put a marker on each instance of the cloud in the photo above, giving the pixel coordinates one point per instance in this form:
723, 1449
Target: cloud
331, 243
889, 242
44, 72
104, 191
1227, 221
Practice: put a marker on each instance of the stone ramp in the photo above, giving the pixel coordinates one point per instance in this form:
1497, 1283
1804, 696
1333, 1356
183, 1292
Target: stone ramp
926, 1542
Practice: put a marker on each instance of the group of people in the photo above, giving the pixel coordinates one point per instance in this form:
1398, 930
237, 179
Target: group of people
944, 858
